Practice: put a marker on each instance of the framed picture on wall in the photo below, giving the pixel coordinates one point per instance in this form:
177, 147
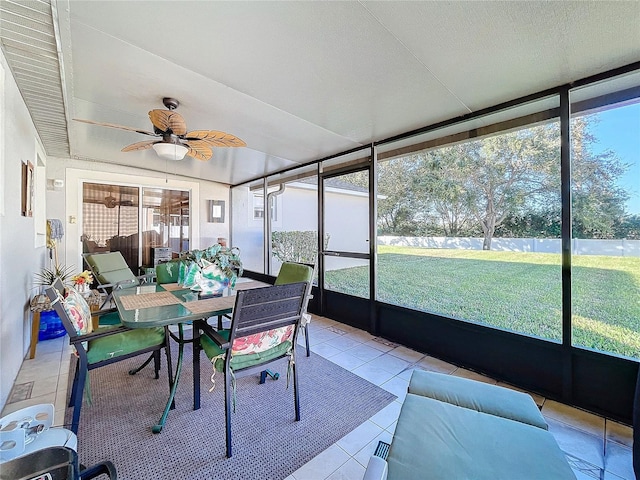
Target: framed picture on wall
28, 189
216, 211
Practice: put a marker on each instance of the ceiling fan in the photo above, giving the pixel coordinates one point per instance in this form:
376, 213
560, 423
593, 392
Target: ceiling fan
112, 202
175, 141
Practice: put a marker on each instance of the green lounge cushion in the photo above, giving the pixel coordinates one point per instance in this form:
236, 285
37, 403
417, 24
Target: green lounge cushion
106, 262
479, 396
293, 273
124, 343
441, 441
111, 268
239, 362
167, 272
118, 276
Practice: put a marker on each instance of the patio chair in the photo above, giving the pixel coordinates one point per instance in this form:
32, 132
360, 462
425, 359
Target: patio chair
292, 272
103, 346
112, 272
31, 429
264, 330
167, 272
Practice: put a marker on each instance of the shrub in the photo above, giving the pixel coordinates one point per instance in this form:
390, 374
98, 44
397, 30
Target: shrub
296, 246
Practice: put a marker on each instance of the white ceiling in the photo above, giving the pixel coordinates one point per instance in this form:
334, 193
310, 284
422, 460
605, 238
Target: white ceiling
298, 81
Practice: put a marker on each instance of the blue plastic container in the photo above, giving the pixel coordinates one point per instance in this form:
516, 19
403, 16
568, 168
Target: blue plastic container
50, 326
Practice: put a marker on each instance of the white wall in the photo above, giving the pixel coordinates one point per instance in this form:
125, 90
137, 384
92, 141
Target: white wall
19, 257
297, 209
248, 234
346, 216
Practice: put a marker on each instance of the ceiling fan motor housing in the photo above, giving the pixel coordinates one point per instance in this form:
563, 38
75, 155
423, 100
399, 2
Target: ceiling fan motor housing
170, 103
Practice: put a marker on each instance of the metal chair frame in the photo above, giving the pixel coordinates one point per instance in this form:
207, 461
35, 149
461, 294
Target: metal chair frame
55, 463
83, 366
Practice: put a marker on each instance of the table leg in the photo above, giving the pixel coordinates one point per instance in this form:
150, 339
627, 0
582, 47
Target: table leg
196, 365
95, 319
158, 427
35, 329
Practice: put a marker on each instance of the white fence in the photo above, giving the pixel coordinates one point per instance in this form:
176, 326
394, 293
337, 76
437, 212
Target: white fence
617, 248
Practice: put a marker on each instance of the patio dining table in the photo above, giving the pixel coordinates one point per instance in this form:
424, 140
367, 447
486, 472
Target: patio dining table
163, 305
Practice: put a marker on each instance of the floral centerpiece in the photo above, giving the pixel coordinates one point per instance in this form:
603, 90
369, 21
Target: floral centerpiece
210, 270
82, 281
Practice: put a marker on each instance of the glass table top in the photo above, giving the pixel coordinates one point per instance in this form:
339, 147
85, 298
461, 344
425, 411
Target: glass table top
163, 314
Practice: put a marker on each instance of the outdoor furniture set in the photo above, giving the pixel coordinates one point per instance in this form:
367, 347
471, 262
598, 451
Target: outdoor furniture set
146, 312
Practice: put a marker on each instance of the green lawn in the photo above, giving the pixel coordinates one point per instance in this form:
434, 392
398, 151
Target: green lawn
515, 291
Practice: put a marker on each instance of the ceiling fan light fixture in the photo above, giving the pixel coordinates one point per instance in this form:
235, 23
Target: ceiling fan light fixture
170, 151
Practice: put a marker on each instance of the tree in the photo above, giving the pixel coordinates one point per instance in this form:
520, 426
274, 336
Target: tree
534, 224
396, 202
597, 200
473, 187
440, 185
509, 172
628, 227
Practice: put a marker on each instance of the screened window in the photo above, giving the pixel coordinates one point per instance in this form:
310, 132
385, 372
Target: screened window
469, 224
605, 188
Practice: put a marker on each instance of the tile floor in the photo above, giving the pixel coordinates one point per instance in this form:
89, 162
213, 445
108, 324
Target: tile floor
596, 442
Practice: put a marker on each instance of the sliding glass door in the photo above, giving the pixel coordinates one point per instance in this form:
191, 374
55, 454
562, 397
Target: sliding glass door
165, 224
110, 220
146, 225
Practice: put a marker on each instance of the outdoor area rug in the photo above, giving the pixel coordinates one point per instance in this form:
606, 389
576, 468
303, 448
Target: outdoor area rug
268, 444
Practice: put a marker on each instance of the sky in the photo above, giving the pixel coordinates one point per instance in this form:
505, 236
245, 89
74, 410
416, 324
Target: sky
619, 130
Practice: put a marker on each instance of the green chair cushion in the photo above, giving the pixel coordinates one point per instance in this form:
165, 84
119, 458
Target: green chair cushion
478, 396
441, 441
293, 273
238, 362
124, 343
167, 272
109, 319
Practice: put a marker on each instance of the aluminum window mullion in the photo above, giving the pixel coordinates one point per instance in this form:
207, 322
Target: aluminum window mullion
565, 196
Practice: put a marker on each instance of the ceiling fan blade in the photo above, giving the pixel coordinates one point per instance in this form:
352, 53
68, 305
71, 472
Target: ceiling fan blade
139, 145
199, 149
113, 125
215, 138
166, 119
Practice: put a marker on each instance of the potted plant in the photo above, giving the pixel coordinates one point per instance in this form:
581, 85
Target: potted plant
50, 323
47, 276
